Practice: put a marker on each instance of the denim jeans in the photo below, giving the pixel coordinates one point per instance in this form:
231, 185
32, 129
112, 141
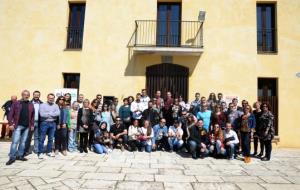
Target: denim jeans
46, 128
100, 149
18, 142
193, 147
245, 138
174, 142
61, 139
36, 137
230, 149
148, 148
72, 140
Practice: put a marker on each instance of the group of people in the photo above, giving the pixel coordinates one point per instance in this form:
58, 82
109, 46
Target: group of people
203, 127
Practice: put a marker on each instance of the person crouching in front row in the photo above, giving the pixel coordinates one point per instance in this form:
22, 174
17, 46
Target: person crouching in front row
198, 140
118, 134
231, 141
102, 141
217, 142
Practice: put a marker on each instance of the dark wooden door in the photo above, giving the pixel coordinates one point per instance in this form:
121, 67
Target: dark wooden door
267, 92
167, 77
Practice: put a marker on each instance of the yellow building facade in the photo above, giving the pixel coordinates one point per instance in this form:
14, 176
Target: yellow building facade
34, 55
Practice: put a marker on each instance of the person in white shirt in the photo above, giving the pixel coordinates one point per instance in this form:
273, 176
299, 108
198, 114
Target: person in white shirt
231, 141
175, 136
145, 98
137, 107
145, 137
133, 134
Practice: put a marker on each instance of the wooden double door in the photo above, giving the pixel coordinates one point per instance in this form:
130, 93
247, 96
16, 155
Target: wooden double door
167, 77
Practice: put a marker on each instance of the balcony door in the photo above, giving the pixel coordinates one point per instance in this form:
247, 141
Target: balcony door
76, 26
168, 24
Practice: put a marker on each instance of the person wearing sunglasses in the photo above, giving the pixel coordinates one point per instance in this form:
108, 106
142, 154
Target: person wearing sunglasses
118, 134
61, 133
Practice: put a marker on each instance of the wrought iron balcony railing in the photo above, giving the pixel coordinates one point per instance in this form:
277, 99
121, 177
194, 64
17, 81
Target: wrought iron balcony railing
75, 37
155, 33
266, 40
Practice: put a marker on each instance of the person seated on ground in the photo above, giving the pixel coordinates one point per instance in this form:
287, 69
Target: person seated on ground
198, 140
160, 139
216, 138
133, 133
118, 134
145, 137
101, 141
175, 136
231, 141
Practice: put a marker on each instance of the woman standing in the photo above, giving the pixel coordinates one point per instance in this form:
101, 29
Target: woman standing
85, 122
61, 137
124, 113
257, 113
246, 128
218, 117
114, 113
267, 131
212, 101
72, 128
107, 116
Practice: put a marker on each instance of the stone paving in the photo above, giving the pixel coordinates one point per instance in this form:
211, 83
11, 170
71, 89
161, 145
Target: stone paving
158, 170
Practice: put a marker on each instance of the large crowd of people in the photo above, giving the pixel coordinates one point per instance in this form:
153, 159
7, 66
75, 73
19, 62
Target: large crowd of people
201, 128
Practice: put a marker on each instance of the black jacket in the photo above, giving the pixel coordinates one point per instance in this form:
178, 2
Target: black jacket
90, 119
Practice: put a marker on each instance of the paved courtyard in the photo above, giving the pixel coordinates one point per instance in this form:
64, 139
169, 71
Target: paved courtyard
158, 170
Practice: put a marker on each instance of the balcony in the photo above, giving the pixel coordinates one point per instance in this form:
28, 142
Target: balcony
266, 40
74, 38
167, 37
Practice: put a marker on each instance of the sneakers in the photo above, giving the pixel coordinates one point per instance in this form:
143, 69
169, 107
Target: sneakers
40, 156
265, 159
56, 152
52, 154
10, 162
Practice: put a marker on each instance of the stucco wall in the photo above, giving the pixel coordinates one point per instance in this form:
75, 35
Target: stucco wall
33, 56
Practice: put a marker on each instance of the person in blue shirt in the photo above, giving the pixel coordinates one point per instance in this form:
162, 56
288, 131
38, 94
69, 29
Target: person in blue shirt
160, 139
205, 115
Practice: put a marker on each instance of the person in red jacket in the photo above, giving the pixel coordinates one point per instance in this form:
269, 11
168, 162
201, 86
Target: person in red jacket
20, 120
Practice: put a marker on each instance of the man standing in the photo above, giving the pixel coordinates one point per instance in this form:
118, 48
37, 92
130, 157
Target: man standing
20, 119
36, 103
195, 104
137, 108
220, 98
145, 98
80, 100
151, 114
159, 102
49, 113
167, 109
6, 108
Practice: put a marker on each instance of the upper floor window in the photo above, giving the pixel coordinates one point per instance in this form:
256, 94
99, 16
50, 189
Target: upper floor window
266, 28
76, 26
